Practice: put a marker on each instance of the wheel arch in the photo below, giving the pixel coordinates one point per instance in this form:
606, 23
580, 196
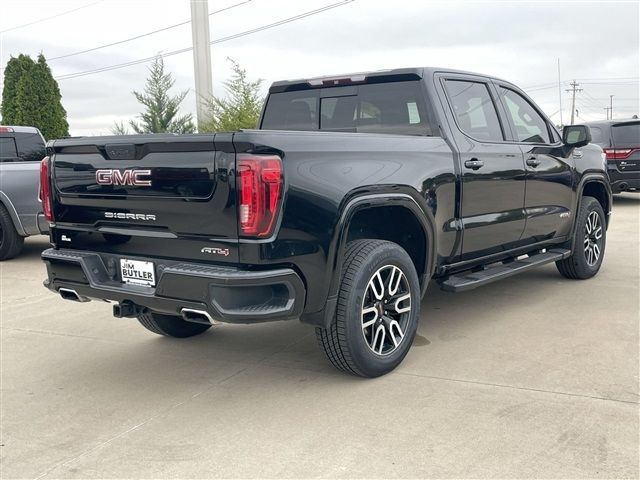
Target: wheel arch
599, 189
6, 202
596, 186
418, 238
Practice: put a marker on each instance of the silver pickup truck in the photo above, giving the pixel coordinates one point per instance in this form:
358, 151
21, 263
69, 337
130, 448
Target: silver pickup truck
21, 150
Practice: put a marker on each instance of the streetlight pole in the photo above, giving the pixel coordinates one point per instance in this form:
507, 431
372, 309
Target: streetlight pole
201, 57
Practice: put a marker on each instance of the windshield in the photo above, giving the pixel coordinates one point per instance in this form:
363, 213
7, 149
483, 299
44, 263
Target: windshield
394, 108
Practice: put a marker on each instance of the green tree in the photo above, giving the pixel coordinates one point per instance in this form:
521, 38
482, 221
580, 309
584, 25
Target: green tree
119, 128
31, 97
240, 108
161, 109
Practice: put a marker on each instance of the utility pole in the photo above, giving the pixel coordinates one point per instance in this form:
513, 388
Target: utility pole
611, 105
560, 92
607, 109
201, 57
574, 88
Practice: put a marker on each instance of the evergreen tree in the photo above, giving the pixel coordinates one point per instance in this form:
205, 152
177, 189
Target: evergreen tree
240, 109
119, 128
31, 97
160, 115
16, 68
53, 114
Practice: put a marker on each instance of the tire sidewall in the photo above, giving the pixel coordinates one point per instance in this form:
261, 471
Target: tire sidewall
367, 362
10, 241
589, 205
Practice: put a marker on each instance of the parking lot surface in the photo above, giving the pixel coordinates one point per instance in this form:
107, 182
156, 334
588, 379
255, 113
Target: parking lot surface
534, 376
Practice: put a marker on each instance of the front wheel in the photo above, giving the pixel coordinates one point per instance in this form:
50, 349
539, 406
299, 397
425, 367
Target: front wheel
378, 310
590, 241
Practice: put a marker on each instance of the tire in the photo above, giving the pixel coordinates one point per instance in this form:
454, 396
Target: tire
354, 343
11, 241
583, 264
170, 325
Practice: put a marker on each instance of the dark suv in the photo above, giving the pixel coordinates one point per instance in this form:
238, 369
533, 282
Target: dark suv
620, 140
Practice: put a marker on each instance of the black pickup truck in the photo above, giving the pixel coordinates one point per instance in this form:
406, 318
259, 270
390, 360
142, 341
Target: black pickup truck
352, 195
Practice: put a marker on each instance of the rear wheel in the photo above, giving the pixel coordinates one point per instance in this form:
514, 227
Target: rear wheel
170, 325
10, 241
590, 242
378, 310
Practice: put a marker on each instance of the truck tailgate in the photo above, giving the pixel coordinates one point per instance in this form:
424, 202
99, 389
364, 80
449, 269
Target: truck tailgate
139, 191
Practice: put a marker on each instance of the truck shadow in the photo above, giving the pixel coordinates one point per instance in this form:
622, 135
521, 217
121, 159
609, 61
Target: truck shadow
289, 349
33, 247
626, 199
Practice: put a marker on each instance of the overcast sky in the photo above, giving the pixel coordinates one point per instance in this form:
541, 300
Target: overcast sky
597, 44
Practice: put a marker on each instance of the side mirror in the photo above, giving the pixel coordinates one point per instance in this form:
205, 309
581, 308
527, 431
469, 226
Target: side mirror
576, 136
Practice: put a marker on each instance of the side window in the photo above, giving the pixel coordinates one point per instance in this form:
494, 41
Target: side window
30, 147
474, 109
8, 150
529, 124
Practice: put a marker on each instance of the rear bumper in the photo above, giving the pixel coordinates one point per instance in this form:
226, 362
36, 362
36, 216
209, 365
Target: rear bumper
226, 294
624, 181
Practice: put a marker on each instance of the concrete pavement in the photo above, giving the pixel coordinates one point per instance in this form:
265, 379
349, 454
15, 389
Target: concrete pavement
535, 376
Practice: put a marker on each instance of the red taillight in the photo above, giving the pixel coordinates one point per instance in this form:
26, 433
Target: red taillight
619, 153
6, 130
44, 194
259, 190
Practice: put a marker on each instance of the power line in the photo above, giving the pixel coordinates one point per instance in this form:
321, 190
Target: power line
631, 82
213, 42
141, 35
49, 18
573, 89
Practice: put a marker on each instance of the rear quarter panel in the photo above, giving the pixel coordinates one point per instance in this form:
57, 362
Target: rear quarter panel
19, 188
324, 171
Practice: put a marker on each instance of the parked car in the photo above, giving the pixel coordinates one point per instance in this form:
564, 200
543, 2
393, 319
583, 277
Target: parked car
620, 140
354, 193
21, 150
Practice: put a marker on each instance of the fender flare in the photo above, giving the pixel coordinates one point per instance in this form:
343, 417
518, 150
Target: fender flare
589, 178
373, 200
8, 204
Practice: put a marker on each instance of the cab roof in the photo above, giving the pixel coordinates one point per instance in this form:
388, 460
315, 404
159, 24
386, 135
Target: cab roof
376, 76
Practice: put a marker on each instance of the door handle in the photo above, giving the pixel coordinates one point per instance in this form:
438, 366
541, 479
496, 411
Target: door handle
474, 164
533, 162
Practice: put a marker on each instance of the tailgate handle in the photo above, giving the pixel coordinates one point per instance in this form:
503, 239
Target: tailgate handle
120, 151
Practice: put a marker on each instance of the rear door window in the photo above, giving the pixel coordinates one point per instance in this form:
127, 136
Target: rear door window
30, 147
474, 110
626, 135
8, 151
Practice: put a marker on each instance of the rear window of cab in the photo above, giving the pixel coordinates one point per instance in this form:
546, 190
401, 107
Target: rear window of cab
392, 108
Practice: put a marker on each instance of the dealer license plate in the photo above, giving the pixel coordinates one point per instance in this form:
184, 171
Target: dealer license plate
137, 272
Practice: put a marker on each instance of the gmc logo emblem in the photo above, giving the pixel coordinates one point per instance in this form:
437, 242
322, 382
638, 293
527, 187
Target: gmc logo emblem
111, 176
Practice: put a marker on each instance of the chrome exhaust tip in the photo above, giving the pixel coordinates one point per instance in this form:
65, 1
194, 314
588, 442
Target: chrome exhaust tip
70, 294
197, 316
